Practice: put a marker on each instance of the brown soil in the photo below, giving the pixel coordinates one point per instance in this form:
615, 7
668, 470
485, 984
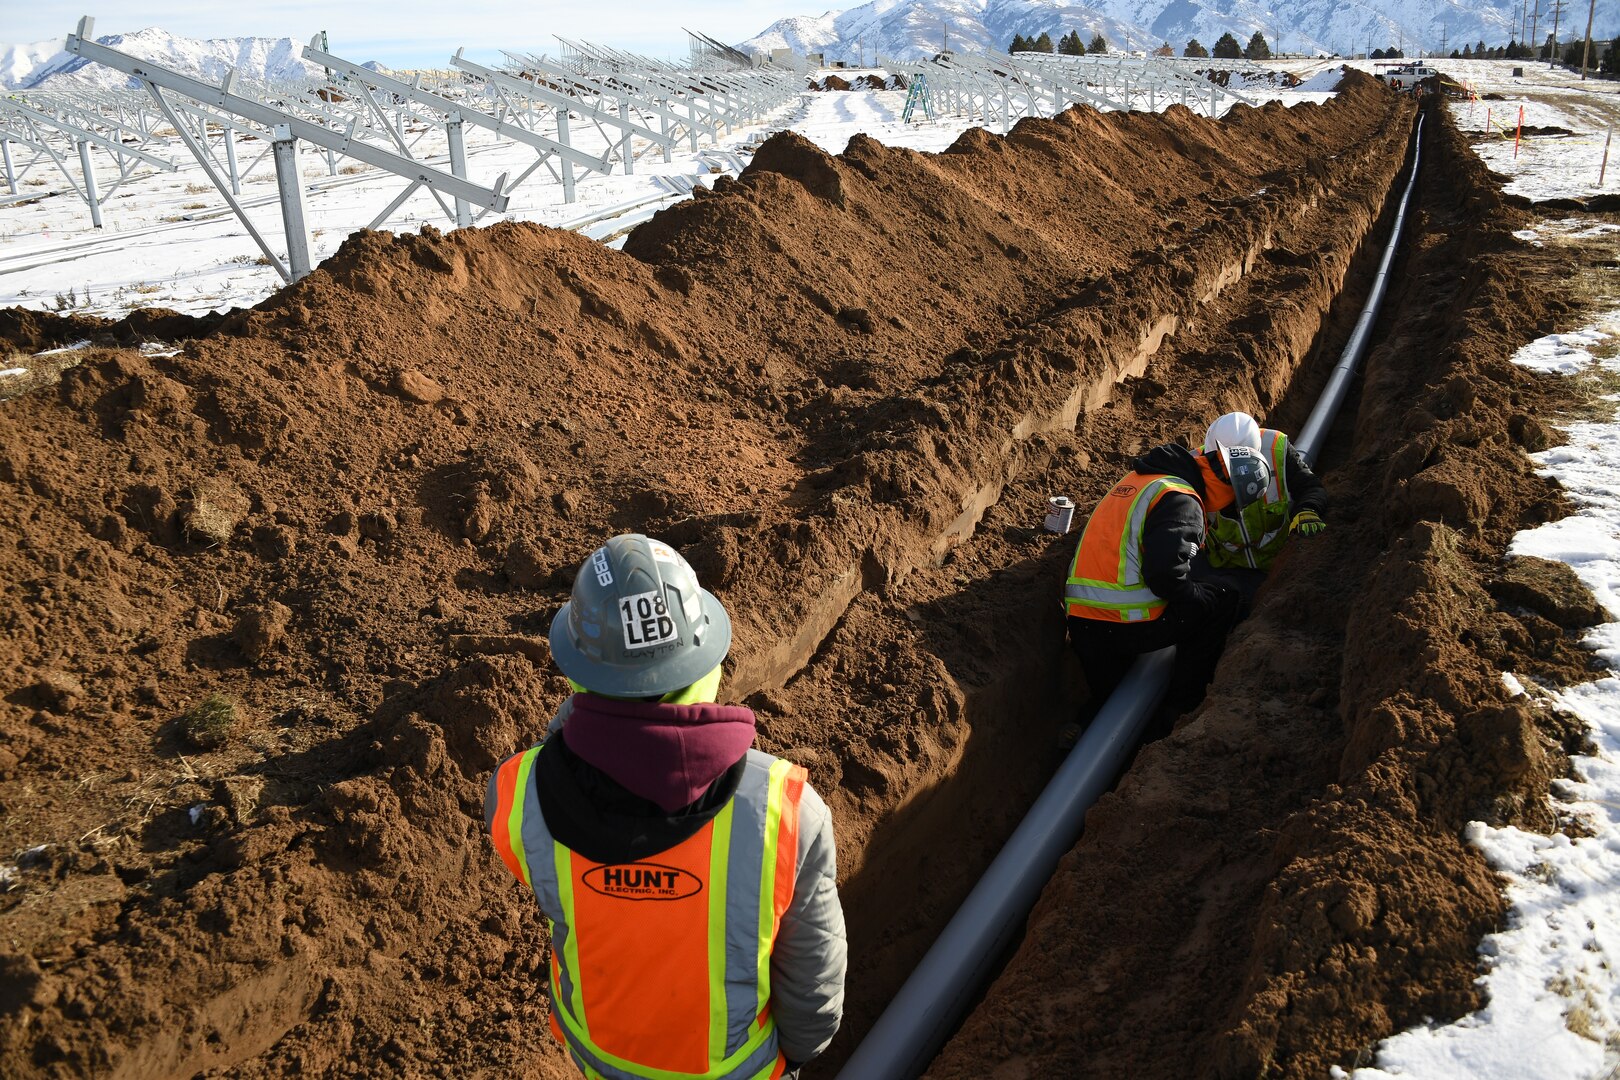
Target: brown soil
844, 387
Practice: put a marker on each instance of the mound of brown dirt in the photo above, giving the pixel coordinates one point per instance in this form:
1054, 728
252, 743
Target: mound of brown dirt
839, 384
1283, 881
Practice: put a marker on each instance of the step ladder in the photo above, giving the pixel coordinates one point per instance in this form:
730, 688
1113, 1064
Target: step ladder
918, 95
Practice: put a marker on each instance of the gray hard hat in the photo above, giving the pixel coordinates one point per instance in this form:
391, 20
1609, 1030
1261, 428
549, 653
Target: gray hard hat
1246, 470
638, 624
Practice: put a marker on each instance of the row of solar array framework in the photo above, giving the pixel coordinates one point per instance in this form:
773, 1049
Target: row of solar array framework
415, 128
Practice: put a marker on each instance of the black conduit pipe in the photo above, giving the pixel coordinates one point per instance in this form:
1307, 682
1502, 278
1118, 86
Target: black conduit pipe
931, 1004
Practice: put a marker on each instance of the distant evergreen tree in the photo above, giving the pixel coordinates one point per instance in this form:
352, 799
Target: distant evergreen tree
1227, 47
1257, 49
1020, 43
1043, 43
1455, 55
1611, 62
1376, 54
1466, 54
1479, 50
1512, 51
1195, 48
1099, 44
1071, 45
1392, 53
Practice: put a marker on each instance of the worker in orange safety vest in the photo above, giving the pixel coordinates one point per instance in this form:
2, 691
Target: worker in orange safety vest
1130, 589
689, 880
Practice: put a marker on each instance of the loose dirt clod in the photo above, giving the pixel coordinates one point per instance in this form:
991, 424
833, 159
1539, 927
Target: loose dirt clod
259, 631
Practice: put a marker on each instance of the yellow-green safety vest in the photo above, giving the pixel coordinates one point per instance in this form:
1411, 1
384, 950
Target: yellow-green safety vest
1265, 520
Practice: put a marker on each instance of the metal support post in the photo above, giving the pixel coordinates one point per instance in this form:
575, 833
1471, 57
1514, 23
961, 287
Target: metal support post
458, 166
90, 195
230, 160
11, 174
292, 200
627, 153
567, 165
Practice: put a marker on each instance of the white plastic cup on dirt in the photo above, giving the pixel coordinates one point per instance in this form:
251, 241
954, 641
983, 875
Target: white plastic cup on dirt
1059, 514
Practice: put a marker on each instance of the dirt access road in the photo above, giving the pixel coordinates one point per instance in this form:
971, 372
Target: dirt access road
844, 387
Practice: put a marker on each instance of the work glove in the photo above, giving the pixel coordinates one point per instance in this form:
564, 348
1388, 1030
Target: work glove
1306, 523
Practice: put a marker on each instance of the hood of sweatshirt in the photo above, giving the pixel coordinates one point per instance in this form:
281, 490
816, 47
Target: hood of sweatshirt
1195, 469
667, 754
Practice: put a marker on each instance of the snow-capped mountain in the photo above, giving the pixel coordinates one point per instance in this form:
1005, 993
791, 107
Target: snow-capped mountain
44, 65
909, 29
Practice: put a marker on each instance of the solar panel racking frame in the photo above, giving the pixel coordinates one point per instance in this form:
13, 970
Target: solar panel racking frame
286, 129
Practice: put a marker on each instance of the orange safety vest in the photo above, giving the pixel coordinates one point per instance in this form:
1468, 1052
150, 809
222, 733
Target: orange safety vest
661, 969
1105, 578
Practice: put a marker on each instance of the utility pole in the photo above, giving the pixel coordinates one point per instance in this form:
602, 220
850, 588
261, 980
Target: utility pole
1552, 53
1535, 31
1586, 53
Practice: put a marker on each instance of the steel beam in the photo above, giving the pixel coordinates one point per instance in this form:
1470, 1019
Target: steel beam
514, 132
80, 44
80, 134
561, 102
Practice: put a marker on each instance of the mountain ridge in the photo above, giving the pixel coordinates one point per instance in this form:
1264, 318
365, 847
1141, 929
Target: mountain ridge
914, 29
45, 65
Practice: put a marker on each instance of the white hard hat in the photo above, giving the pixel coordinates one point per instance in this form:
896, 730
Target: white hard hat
1233, 429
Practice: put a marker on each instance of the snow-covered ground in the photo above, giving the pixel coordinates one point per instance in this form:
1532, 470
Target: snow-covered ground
1546, 165
1552, 975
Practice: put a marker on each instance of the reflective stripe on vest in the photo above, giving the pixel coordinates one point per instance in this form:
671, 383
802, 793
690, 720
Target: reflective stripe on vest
661, 968
1266, 520
1105, 578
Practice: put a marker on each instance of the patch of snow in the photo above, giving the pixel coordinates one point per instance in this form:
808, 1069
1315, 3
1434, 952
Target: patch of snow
75, 347
1561, 353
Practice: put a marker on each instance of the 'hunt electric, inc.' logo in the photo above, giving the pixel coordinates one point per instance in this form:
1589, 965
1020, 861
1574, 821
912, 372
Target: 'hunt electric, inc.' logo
643, 881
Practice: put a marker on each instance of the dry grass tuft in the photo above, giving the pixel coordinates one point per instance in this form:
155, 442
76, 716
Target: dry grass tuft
207, 725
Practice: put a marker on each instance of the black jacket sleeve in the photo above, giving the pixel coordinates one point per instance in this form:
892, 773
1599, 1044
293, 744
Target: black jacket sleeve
1305, 488
1172, 535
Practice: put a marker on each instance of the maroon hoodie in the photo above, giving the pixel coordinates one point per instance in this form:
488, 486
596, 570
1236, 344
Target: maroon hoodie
667, 754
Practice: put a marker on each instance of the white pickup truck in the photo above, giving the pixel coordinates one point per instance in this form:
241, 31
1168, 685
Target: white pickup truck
1405, 78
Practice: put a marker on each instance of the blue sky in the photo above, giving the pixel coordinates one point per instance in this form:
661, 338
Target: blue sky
411, 33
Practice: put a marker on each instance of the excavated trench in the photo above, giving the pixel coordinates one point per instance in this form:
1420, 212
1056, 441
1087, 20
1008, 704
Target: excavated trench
844, 387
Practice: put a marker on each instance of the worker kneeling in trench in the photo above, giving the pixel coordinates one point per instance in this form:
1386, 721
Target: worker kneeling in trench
1142, 577
689, 880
